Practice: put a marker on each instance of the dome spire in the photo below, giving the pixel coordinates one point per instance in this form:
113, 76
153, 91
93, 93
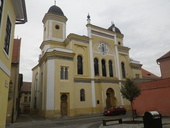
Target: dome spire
54, 2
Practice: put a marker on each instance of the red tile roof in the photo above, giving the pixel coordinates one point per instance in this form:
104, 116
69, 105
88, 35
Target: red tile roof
16, 51
26, 87
147, 74
167, 55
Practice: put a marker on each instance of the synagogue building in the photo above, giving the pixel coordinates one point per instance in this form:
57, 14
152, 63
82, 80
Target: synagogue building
78, 74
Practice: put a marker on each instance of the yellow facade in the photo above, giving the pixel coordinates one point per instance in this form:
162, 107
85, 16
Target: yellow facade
8, 18
81, 74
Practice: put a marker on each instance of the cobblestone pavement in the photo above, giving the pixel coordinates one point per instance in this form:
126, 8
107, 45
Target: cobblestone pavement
90, 121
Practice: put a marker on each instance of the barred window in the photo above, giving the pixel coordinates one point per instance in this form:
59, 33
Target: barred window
7, 36
64, 73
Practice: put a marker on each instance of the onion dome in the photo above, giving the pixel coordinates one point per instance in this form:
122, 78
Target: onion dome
116, 29
55, 10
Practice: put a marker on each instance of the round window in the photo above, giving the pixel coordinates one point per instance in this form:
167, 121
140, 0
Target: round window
57, 26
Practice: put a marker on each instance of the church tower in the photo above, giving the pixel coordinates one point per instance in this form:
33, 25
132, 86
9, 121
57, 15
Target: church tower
54, 25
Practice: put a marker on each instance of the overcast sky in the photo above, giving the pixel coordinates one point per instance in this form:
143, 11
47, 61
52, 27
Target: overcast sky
144, 23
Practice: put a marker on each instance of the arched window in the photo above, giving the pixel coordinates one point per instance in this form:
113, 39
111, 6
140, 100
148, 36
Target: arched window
96, 67
79, 65
82, 95
110, 68
66, 73
62, 73
123, 70
103, 67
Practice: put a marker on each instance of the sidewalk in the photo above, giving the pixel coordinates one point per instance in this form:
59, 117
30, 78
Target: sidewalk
138, 123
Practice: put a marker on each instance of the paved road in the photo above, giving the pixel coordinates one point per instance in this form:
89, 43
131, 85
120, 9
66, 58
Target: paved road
90, 121
32, 121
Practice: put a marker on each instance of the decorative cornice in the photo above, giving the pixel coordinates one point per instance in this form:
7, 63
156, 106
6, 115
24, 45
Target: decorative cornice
56, 54
97, 79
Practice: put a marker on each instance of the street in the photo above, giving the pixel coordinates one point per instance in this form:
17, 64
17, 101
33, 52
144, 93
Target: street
30, 121
87, 121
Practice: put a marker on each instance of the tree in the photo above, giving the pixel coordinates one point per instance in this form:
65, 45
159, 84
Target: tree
130, 91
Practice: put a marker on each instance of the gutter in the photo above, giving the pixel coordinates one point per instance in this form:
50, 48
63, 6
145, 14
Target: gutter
22, 19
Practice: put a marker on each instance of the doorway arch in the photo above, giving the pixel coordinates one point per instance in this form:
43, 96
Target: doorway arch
64, 105
110, 98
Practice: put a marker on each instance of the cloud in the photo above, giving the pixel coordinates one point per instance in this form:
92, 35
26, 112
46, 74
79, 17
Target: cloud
145, 25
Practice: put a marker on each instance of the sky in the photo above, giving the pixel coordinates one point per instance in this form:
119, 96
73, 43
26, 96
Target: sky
144, 23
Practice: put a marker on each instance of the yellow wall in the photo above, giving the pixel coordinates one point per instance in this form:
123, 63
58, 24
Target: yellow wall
57, 33
5, 59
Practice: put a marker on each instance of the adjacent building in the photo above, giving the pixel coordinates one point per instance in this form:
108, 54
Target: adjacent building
164, 63
11, 12
78, 74
25, 97
155, 93
15, 84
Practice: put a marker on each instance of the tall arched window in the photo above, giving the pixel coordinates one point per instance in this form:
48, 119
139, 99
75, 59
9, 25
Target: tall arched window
62, 73
82, 95
103, 67
110, 68
123, 70
96, 67
79, 65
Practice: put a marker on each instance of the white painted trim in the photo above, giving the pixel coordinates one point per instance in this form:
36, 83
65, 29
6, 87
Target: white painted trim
93, 94
50, 85
92, 69
57, 39
4, 68
102, 32
118, 69
60, 50
102, 36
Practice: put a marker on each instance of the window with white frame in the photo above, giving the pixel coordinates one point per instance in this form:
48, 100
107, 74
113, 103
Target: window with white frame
64, 73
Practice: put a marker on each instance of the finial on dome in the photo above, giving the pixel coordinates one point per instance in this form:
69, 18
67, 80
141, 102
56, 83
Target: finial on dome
54, 2
113, 23
113, 26
88, 19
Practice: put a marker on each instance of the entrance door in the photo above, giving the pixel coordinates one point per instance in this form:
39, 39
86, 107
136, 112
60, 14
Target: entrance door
64, 105
110, 100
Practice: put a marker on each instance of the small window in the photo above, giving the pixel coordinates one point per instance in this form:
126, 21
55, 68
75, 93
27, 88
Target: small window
79, 64
123, 70
64, 73
25, 99
96, 67
57, 27
103, 67
110, 68
7, 36
82, 95
119, 43
137, 75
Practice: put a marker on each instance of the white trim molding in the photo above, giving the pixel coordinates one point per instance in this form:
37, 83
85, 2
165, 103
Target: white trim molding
4, 68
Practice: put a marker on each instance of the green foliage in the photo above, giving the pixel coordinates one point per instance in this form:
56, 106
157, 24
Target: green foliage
130, 90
